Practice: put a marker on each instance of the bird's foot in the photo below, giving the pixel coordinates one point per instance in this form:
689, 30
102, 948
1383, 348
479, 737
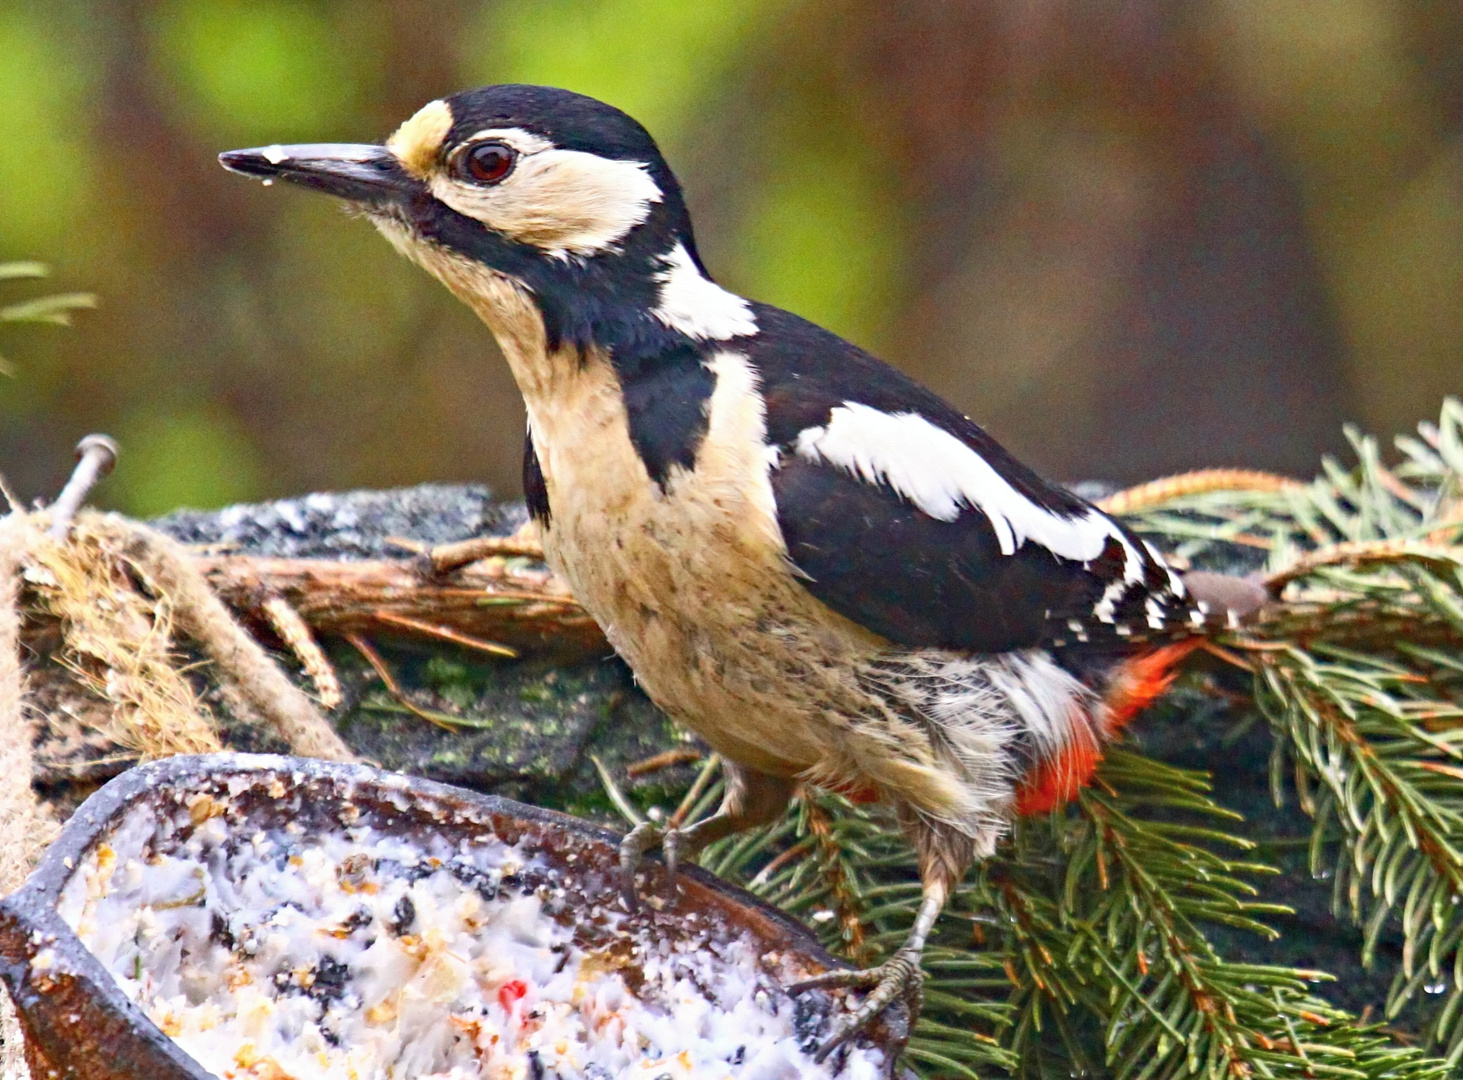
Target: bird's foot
899, 977
675, 843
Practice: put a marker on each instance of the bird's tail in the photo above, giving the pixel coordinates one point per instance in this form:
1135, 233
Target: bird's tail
1135, 684
1225, 600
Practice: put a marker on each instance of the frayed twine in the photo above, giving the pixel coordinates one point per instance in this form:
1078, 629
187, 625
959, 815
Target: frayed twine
125, 595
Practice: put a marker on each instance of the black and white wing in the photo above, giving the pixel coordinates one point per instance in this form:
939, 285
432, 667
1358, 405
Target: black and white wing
908, 519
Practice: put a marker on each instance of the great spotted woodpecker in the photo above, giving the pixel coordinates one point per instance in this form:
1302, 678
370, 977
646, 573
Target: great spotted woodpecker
814, 563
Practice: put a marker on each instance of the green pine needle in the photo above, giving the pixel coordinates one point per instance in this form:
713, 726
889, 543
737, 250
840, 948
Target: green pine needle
55, 309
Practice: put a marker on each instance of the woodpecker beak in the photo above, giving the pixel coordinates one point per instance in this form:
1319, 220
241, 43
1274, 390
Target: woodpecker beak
361, 173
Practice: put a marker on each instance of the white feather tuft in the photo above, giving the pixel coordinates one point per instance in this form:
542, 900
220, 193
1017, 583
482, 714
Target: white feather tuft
989, 718
697, 306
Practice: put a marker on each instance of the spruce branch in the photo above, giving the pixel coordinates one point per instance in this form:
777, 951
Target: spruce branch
1120, 945
1359, 671
1082, 948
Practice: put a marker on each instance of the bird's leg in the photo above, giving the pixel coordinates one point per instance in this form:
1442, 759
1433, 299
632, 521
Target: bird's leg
751, 799
944, 856
898, 977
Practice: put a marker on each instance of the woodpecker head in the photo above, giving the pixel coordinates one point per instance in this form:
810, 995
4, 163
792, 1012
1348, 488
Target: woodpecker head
514, 194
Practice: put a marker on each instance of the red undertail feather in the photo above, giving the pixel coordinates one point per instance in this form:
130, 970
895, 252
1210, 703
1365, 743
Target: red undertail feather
1058, 779
854, 792
1137, 684
1141, 681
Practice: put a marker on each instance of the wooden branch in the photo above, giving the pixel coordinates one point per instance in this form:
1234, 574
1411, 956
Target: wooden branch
488, 601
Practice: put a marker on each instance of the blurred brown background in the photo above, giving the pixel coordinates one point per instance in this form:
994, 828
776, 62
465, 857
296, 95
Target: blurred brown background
1129, 236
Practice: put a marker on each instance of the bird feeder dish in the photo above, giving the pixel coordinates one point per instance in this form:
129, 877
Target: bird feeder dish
190, 891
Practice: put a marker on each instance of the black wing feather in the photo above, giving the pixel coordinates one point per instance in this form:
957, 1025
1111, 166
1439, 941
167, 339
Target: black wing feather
877, 559
920, 582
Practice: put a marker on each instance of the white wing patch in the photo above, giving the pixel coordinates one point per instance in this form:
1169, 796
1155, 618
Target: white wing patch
697, 306
942, 476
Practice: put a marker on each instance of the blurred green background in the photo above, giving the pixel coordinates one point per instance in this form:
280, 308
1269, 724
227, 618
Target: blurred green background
1129, 236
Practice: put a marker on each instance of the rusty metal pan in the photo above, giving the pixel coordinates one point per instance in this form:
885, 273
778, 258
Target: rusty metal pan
81, 1026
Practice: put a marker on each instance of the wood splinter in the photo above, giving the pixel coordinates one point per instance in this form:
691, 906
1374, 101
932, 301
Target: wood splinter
680, 755
468, 641
285, 621
524, 543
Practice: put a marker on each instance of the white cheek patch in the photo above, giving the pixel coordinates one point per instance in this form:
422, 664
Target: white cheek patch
697, 306
941, 475
565, 202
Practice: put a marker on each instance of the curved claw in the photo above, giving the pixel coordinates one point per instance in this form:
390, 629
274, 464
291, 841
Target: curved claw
674, 843
671, 843
899, 976
633, 847
830, 979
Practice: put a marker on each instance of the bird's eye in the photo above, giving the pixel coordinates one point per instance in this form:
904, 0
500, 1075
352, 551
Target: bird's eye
488, 163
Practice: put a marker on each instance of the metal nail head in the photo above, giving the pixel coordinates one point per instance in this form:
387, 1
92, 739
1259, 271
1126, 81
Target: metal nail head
96, 456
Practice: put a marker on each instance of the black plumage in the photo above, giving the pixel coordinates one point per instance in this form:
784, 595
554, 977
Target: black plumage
666, 396
807, 371
864, 550
1007, 604
535, 491
922, 583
